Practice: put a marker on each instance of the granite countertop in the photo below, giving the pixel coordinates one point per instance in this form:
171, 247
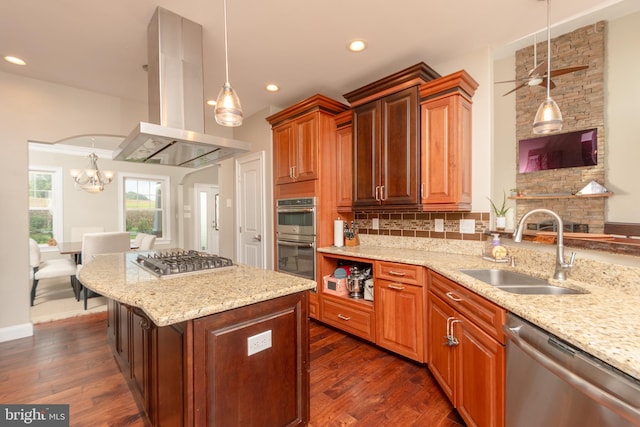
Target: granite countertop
603, 322
171, 300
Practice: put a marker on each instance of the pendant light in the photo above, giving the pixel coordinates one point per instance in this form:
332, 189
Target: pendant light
228, 110
549, 117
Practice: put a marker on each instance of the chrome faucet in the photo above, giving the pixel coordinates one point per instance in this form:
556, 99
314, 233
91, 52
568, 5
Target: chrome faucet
561, 267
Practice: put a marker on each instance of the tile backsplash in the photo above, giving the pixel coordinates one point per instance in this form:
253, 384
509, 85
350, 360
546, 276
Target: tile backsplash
423, 224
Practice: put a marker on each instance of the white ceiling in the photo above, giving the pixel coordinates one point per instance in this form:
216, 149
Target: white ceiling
298, 44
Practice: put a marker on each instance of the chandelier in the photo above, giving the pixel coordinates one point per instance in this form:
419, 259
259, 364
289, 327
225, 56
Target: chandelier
92, 179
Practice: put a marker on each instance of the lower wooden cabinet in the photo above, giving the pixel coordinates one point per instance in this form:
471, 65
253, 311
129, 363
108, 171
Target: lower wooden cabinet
352, 317
399, 306
467, 362
199, 372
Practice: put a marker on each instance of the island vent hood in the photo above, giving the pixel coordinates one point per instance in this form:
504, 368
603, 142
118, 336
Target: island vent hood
175, 135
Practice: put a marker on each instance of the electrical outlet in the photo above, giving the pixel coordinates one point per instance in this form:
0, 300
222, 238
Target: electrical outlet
468, 226
375, 223
439, 225
258, 343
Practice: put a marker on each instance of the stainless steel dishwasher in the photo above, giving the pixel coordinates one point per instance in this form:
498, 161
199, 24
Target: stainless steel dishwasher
550, 383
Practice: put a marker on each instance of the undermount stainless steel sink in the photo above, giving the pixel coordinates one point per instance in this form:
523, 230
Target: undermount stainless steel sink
517, 283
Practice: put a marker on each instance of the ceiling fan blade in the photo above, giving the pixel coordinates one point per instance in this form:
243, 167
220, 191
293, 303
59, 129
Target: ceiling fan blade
507, 81
561, 71
515, 89
539, 69
543, 83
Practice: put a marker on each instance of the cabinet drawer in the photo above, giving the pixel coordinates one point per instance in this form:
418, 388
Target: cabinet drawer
355, 320
486, 315
404, 273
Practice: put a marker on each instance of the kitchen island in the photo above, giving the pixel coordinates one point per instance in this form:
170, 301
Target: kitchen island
224, 347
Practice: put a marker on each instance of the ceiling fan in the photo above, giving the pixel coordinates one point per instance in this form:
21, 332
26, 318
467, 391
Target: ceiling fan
538, 76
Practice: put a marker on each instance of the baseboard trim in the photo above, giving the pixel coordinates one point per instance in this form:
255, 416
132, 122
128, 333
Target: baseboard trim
16, 331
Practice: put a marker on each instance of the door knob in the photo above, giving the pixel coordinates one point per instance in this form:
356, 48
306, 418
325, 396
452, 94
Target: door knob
258, 238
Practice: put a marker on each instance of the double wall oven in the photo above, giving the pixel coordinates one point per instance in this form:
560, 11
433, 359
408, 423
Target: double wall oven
296, 236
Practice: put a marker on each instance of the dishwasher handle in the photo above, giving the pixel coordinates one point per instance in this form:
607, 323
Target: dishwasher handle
586, 387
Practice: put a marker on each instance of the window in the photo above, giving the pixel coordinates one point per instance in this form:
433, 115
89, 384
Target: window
45, 204
145, 201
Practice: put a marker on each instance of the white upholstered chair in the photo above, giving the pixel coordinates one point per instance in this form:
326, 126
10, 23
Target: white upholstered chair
138, 240
101, 243
147, 243
48, 269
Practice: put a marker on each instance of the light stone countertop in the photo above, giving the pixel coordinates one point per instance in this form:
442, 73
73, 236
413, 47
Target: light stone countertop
171, 300
605, 322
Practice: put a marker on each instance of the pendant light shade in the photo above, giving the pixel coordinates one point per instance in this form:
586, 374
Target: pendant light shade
548, 117
228, 109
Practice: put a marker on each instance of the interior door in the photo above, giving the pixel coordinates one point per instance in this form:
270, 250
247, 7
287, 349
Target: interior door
207, 230
251, 247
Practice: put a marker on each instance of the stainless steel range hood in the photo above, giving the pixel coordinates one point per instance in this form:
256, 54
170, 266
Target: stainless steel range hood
175, 135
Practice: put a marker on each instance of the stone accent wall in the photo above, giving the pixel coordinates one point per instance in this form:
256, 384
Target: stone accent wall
422, 224
580, 96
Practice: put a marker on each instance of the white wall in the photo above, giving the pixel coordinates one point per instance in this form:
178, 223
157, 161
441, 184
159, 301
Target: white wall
622, 122
37, 110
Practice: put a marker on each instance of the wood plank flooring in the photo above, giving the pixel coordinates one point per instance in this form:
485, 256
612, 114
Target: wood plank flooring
352, 382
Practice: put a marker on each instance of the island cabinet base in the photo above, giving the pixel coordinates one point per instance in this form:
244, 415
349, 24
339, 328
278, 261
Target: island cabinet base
199, 372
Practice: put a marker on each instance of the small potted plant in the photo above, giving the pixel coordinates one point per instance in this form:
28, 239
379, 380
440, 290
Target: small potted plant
500, 212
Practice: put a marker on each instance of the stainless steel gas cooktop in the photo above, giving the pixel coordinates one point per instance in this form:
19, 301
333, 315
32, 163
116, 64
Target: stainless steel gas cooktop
177, 263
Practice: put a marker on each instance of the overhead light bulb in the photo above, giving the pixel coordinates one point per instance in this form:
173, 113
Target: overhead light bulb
228, 110
14, 60
357, 45
548, 117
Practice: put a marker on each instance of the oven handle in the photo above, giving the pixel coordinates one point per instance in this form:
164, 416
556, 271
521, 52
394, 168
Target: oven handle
295, 244
296, 210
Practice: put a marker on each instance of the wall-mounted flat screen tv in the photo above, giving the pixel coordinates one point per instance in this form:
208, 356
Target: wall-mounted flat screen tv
565, 150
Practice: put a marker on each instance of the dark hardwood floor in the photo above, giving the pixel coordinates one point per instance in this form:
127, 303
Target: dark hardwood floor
352, 382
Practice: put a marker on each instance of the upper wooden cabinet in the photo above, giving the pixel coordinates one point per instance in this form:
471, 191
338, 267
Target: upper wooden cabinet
344, 161
385, 139
445, 142
298, 132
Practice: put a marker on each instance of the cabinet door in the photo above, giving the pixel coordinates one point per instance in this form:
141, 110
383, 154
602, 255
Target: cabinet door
399, 148
446, 152
283, 151
305, 165
399, 312
440, 356
366, 156
344, 167
480, 384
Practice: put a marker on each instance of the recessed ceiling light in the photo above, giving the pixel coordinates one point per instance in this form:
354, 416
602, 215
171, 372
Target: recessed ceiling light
271, 87
14, 60
211, 102
357, 45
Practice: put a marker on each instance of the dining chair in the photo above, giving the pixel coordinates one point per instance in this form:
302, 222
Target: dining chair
101, 243
48, 269
138, 240
147, 243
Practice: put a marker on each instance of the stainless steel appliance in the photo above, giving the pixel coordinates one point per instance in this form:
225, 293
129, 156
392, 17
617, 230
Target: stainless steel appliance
179, 263
551, 383
296, 236
175, 134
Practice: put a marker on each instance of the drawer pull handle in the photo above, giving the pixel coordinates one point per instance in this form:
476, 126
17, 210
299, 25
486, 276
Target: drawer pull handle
340, 316
396, 287
452, 296
397, 273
